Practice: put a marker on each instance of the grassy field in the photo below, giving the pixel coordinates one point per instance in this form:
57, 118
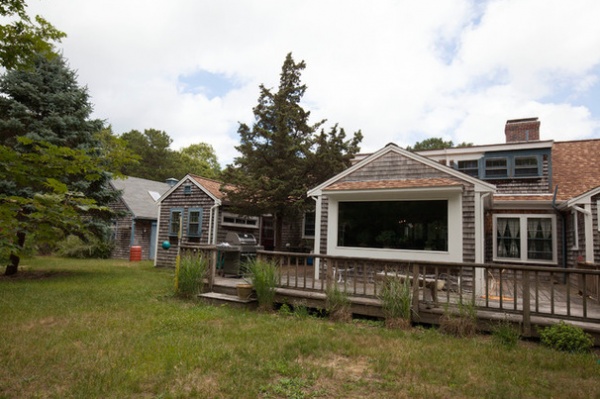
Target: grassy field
112, 329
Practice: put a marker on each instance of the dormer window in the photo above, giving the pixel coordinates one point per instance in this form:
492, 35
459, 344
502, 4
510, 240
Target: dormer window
470, 167
496, 167
526, 166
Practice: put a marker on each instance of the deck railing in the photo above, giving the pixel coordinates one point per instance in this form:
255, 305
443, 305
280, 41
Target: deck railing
526, 290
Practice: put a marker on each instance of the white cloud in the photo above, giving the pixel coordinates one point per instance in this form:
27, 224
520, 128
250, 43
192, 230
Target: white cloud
400, 71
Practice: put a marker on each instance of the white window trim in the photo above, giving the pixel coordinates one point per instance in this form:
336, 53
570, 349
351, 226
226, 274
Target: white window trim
455, 226
523, 240
239, 217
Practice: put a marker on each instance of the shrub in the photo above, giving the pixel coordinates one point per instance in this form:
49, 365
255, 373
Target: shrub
75, 247
506, 334
337, 304
566, 337
460, 323
396, 301
189, 277
264, 279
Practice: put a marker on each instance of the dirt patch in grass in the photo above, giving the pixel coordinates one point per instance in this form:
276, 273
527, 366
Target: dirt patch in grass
341, 375
28, 274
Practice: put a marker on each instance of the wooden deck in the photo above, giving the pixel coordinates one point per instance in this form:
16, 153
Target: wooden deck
502, 299
527, 296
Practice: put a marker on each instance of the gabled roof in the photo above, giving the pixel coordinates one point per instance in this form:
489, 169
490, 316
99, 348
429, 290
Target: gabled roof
211, 187
575, 168
140, 195
332, 184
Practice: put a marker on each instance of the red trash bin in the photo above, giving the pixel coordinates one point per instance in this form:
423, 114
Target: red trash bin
135, 254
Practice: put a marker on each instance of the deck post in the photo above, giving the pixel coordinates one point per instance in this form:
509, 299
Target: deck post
415, 292
526, 304
213, 268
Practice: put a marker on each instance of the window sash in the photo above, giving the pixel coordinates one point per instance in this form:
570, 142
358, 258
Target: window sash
470, 167
525, 238
195, 222
309, 226
496, 167
174, 222
526, 166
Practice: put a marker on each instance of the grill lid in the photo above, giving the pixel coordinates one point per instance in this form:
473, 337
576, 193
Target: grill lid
237, 238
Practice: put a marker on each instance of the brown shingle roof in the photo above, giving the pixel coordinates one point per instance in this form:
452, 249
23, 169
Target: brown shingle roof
392, 184
212, 186
575, 167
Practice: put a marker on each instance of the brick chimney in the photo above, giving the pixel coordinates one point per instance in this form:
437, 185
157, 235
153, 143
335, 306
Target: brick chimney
522, 130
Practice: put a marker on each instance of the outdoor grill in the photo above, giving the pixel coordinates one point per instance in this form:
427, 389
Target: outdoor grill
237, 249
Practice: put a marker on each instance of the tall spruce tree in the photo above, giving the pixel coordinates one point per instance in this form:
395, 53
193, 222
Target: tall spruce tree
45, 114
278, 157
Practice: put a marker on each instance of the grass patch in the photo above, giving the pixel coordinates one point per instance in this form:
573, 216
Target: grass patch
89, 328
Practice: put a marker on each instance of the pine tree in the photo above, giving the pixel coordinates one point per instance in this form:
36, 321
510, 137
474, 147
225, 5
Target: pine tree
277, 162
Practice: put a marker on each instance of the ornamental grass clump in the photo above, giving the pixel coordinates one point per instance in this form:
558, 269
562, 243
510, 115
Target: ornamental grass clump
190, 275
337, 304
461, 322
263, 276
396, 302
505, 334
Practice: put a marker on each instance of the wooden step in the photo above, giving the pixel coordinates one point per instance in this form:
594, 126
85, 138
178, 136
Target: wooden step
218, 298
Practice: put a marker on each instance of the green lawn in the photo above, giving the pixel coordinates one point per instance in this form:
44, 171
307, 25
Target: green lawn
112, 329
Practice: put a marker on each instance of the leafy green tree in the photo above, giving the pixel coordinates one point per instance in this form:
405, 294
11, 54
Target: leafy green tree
280, 153
435, 143
156, 160
21, 39
36, 200
44, 114
200, 159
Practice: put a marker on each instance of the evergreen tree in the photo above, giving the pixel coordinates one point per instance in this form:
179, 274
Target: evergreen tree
44, 108
280, 153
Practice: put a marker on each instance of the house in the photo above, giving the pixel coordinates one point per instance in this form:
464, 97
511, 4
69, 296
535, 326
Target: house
525, 201
196, 206
138, 225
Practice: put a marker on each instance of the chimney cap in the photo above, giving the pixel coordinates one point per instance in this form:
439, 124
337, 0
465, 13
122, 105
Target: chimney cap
523, 120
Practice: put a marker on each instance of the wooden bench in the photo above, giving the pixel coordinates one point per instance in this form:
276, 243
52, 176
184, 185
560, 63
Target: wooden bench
433, 284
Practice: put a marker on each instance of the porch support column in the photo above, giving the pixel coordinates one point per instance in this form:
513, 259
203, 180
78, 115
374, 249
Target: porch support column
479, 282
589, 234
317, 244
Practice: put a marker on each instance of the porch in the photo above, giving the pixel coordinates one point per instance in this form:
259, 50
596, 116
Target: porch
526, 296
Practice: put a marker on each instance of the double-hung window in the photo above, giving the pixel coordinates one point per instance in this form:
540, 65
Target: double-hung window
175, 221
470, 167
308, 230
525, 238
194, 226
496, 167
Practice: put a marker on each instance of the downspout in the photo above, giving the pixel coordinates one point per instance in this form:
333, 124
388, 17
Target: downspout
211, 218
317, 244
132, 237
564, 233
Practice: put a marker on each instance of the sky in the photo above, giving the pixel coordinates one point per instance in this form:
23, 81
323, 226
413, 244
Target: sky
399, 71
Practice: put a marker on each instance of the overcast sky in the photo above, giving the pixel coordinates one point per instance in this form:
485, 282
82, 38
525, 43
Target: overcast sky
400, 71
